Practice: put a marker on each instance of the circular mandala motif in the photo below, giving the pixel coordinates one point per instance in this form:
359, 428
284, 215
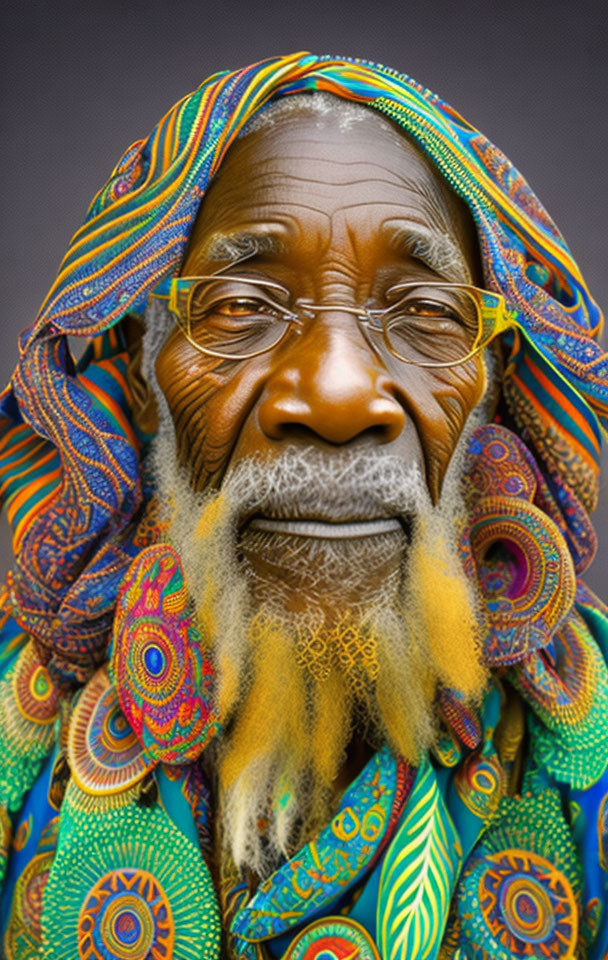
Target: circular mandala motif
126, 916
525, 902
105, 755
127, 884
34, 692
333, 938
527, 909
163, 678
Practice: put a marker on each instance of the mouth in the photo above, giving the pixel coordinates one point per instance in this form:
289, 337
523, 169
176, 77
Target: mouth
328, 530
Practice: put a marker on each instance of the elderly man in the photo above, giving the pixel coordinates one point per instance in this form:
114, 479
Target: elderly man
296, 636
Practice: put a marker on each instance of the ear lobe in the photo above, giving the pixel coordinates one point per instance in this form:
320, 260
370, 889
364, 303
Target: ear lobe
145, 413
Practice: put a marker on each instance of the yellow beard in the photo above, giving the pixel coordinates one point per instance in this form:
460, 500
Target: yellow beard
294, 689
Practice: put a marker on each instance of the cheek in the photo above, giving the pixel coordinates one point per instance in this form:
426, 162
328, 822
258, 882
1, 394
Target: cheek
209, 401
458, 391
442, 403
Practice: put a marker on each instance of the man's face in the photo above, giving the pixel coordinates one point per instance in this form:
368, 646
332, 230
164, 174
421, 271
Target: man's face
336, 216
316, 570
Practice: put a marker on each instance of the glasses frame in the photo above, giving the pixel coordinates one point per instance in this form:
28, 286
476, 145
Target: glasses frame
491, 308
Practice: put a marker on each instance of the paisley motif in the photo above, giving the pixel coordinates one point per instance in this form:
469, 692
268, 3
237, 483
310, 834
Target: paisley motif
328, 866
480, 784
163, 678
28, 709
460, 717
35, 695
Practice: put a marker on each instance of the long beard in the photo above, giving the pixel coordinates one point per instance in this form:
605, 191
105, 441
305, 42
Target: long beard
315, 652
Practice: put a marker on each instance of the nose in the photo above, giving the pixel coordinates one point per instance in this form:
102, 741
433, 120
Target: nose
331, 384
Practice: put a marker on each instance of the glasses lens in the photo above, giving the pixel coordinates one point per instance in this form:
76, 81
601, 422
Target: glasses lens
234, 318
434, 324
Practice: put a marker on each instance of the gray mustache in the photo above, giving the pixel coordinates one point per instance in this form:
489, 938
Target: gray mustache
306, 482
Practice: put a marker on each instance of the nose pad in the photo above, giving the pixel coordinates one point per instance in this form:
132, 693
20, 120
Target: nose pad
333, 387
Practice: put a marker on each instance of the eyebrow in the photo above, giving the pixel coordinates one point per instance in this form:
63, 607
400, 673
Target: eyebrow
437, 250
242, 245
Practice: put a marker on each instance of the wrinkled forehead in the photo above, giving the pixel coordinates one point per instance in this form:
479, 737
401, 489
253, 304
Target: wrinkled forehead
323, 153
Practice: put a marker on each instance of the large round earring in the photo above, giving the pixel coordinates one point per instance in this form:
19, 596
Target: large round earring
521, 559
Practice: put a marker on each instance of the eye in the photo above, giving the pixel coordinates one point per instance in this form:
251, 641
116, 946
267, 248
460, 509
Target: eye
233, 309
430, 308
241, 307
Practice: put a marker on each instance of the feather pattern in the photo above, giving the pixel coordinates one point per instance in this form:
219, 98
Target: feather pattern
418, 875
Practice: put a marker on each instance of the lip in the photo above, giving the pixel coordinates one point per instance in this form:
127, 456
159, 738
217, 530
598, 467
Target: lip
327, 530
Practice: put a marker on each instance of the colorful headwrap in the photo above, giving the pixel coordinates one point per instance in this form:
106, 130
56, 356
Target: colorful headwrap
70, 456
71, 478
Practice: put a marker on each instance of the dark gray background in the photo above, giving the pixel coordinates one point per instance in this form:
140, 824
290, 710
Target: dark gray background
82, 79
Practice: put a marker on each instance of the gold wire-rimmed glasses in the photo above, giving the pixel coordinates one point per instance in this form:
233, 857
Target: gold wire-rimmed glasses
426, 323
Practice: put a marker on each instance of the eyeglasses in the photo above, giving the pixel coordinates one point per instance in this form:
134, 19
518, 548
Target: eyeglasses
429, 324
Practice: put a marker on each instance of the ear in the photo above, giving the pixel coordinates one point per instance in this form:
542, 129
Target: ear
145, 413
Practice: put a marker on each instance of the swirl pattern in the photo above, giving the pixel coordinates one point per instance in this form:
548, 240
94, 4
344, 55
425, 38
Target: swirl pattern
525, 573
480, 783
517, 551
525, 904
35, 696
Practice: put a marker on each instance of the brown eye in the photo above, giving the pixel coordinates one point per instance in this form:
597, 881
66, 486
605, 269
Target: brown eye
241, 307
430, 308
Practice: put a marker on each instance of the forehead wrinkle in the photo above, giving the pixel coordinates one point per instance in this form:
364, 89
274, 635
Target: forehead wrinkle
272, 177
